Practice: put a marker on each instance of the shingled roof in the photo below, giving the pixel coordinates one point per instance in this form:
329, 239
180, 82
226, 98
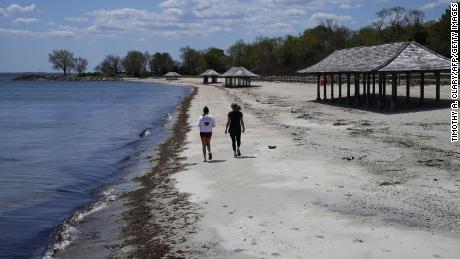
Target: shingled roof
171, 74
391, 57
239, 72
210, 72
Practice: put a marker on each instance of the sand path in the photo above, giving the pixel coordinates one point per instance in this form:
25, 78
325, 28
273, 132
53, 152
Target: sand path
279, 203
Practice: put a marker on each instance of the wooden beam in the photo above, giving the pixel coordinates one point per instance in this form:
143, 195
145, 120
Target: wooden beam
348, 88
394, 91
332, 87
368, 100
318, 97
438, 86
373, 88
340, 87
357, 102
407, 87
380, 99
422, 87
325, 85
384, 87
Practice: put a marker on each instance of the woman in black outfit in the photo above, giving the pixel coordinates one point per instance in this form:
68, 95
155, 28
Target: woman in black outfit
235, 126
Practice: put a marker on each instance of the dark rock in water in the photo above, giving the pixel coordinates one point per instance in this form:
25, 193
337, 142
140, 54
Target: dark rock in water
144, 133
271, 147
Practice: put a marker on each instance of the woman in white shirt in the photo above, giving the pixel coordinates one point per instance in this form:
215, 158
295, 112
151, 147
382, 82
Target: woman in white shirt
206, 123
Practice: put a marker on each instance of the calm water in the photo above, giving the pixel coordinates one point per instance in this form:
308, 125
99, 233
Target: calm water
60, 142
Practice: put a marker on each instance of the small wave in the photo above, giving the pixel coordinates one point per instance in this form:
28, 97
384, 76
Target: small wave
169, 117
67, 231
10, 159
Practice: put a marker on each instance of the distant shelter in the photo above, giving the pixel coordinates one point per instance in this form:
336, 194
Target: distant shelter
367, 63
238, 77
210, 73
172, 76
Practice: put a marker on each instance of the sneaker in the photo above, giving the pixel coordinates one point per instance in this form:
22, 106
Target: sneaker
238, 152
210, 156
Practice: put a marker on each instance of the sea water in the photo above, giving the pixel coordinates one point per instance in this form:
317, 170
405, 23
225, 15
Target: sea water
61, 142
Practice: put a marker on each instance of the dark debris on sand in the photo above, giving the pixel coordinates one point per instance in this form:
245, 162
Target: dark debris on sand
159, 218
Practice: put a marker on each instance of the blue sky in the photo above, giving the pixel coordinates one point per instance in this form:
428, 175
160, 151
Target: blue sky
29, 30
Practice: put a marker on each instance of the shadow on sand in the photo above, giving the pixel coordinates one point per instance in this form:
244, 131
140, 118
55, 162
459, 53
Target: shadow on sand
414, 104
245, 157
216, 161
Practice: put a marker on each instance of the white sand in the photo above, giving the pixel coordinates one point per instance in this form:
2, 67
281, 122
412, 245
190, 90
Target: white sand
302, 199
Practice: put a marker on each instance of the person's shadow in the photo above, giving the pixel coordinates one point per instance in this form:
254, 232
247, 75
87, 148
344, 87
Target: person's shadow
216, 161
246, 157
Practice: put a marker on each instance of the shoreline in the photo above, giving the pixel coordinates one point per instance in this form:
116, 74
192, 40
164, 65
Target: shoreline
97, 230
152, 222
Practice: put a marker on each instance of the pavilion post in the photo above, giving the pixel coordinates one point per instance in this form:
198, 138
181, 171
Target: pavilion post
438, 85
384, 87
422, 87
373, 88
407, 87
380, 99
348, 88
325, 85
357, 90
394, 91
332, 87
340, 87
364, 85
318, 97
368, 90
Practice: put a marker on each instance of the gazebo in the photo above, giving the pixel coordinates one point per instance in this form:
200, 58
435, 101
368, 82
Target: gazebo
238, 76
172, 76
367, 63
210, 73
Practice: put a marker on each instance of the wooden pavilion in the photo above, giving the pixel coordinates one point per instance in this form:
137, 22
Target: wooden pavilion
210, 73
238, 77
172, 76
366, 64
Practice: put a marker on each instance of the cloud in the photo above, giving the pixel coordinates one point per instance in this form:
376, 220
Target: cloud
15, 8
25, 21
176, 18
76, 19
320, 17
435, 4
34, 34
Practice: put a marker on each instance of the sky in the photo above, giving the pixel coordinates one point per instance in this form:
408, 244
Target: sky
29, 30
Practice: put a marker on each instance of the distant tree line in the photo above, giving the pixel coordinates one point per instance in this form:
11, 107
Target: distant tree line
276, 55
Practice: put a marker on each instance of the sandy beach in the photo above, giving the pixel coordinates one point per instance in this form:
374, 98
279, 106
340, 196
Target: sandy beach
341, 182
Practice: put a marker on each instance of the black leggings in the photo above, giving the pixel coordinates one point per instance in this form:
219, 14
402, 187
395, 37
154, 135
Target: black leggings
236, 137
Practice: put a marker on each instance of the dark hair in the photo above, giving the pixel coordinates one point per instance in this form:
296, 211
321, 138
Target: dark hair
234, 106
205, 110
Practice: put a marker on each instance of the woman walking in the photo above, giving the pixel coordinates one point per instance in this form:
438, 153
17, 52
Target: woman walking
206, 123
235, 125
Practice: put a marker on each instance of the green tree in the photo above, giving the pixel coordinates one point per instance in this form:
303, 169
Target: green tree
439, 34
192, 61
161, 63
215, 59
62, 59
110, 66
80, 64
135, 63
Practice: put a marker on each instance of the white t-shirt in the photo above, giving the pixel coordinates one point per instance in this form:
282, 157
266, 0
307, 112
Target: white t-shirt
206, 123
